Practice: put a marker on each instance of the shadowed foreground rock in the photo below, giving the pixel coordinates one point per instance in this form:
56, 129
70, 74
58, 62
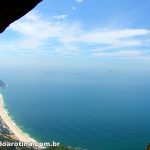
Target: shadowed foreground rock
11, 10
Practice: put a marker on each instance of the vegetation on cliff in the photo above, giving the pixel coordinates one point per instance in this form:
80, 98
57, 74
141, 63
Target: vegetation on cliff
4, 138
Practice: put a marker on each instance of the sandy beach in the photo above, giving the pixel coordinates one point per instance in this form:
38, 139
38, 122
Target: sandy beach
11, 125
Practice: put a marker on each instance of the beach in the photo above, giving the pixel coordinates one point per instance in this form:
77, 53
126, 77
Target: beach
18, 133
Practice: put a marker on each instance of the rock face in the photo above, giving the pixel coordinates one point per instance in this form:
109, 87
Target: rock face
11, 10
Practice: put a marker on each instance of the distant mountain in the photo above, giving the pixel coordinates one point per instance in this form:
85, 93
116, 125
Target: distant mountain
2, 84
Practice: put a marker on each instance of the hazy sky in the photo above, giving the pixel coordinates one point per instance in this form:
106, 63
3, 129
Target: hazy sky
98, 29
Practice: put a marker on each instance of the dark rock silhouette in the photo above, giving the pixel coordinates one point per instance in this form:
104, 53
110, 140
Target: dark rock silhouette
12, 10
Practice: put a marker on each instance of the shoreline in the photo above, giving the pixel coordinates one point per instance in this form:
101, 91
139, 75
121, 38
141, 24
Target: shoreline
18, 133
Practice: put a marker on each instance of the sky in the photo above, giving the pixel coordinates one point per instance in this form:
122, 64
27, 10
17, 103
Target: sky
110, 29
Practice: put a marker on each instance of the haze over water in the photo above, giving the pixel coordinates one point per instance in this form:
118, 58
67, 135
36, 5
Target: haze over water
96, 104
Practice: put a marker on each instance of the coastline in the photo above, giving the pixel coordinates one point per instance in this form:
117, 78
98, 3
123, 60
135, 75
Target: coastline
18, 133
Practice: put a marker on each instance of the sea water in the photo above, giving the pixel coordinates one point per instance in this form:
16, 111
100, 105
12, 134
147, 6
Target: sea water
96, 108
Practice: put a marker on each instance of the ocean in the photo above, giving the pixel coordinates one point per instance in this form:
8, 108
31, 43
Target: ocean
95, 108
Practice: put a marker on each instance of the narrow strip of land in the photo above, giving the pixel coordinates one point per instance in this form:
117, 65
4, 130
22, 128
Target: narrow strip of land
11, 125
